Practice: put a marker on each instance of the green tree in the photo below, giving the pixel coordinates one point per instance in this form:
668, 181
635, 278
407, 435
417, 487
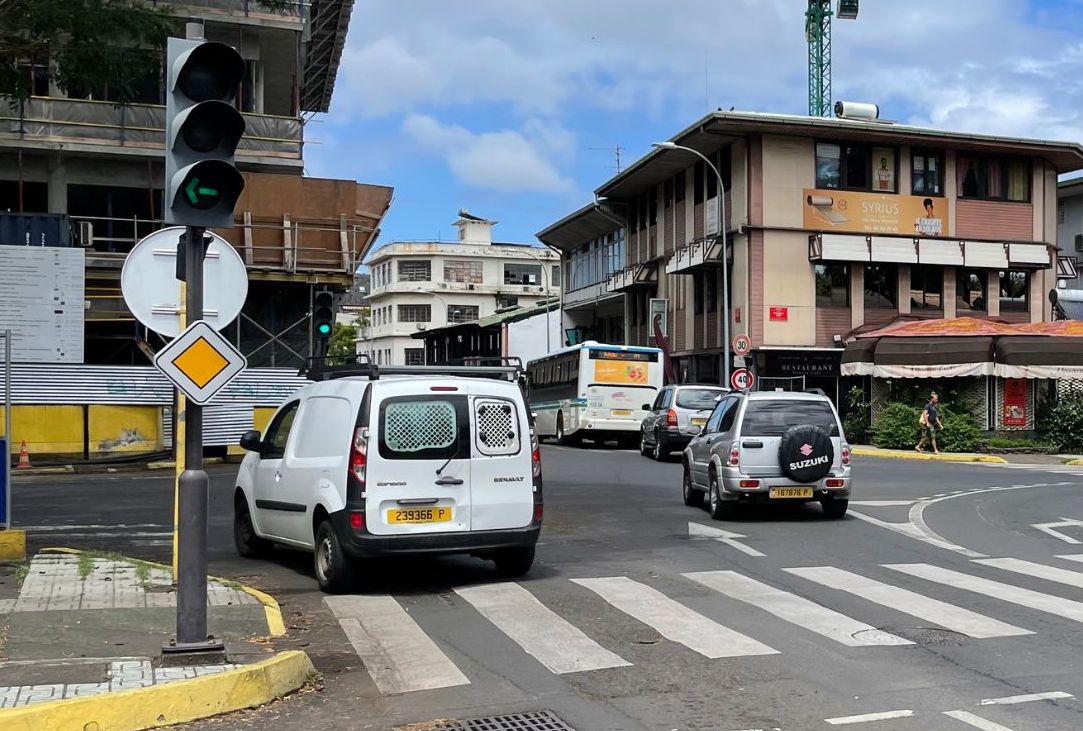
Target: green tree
343, 342
88, 45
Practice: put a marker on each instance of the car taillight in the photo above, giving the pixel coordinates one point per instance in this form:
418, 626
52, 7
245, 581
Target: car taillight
845, 454
539, 510
748, 484
735, 455
535, 457
357, 520
359, 454
671, 418
835, 483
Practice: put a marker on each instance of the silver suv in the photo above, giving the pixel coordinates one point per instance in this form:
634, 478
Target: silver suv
677, 415
767, 447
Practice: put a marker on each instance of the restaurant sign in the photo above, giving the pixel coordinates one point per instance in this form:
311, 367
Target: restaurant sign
874, 213
791, 363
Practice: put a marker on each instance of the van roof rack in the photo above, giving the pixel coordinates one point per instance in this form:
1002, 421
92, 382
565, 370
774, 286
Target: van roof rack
326, 368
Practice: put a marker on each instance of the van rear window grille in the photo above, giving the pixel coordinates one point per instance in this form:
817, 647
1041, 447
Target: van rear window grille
414, 426
497, 427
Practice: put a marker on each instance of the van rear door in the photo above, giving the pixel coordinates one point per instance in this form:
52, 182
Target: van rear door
501, 491
418, 473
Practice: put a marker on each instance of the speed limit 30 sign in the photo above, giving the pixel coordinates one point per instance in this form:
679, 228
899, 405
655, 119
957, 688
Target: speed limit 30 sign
742, 344
742, 379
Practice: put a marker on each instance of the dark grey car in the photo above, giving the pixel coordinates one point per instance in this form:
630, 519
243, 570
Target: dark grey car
677, 414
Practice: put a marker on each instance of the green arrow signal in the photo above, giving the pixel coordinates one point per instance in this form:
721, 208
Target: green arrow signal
193, 190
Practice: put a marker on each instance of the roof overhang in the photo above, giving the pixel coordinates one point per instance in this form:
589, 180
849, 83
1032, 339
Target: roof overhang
588, 223
328, 21
721, 128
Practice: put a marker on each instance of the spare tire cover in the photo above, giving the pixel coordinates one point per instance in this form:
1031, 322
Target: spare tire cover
806, 453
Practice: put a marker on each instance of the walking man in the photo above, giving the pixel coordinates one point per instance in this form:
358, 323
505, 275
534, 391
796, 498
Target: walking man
930, 424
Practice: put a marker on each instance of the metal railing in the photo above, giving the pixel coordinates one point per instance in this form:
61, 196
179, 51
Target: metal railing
245, 7
134, 126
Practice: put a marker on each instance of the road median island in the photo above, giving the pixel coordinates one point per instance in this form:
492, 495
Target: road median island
911, 454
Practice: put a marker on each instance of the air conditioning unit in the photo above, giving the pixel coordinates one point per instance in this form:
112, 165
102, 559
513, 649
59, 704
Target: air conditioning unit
442, 285
422, 326
86, 234
1079, 242
471, 286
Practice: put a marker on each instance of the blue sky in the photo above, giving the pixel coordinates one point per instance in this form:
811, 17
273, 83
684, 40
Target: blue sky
513, 109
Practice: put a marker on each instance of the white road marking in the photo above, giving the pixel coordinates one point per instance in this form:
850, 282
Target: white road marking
948, 616
868, 717
976, 721
1030, 568
1048, 528
698, 530
673, 620
1028, 698
1005, 592
549, 638
398, 655
796, 609
882, 503
1077, 557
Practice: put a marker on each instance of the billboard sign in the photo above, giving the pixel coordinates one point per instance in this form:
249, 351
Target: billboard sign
875, 213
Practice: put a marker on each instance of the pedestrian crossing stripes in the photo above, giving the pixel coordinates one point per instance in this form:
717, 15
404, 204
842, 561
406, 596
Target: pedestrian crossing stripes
401, 656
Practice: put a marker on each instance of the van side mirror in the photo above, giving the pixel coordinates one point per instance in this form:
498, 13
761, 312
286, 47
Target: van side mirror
646, 407
252, 441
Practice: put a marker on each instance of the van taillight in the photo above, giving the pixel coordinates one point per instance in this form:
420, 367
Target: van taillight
735, 455
671, 418
359, 454
845, 454
535, 457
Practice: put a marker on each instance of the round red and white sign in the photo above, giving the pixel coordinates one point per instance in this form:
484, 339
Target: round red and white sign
742, 379
742, 345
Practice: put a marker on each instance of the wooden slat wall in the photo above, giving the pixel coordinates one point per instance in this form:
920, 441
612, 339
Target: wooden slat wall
994, 220
875, 316
679, 227
671, 214
1014, 316
755, 286
697, 221
831, 321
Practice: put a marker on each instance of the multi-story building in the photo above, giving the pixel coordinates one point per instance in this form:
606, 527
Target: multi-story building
418, 286
101, 165
832, 227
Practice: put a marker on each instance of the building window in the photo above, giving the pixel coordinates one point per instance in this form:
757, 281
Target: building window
697, 182
414, 356
415, 313
652, 207
883, 170
697, 291
882, 286
678, 187
925, 170
832, 285
415, 271
522, 273
462, 271
970, 290
667, 193
710, 280
926, 287
504, 302
990, 178
554, 276
462, 313
1014, 290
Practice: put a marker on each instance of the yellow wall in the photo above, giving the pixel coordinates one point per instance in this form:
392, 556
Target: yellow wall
788, 282
46, 429
789, 166
121, 429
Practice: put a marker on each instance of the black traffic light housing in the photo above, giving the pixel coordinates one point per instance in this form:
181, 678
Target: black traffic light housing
323, 318
203, 129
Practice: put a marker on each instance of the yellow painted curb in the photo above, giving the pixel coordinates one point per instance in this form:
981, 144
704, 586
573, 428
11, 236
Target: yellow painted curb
177, 702
276, 626
12, 545
170, 464
1074, 462
900, 454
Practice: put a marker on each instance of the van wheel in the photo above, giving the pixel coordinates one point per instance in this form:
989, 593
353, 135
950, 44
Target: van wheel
514, 562
835, 508
693, 498
249, 545
719, 508
333, 568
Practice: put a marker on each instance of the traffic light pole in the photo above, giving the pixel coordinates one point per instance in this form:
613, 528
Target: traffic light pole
194, 491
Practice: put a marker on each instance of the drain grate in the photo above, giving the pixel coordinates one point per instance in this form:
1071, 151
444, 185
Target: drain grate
533, 721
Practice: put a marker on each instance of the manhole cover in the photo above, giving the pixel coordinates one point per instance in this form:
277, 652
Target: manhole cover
533, 721
928, 636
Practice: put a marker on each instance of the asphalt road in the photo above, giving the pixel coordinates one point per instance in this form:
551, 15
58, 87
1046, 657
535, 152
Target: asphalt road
943, 601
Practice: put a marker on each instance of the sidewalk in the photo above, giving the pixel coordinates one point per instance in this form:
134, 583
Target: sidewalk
81, 638
862, 450
92, 468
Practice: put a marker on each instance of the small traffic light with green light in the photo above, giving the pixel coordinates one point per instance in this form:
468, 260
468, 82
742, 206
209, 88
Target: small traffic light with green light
203, 129
323, 318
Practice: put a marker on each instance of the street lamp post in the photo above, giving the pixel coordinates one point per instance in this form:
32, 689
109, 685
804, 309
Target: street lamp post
548, 304
726, 363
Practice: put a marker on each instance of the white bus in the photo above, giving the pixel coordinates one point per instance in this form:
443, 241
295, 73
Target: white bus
594, 391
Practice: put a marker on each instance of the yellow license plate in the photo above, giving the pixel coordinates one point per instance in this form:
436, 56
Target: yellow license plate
419, 515
789, 492
622, 412
698, 422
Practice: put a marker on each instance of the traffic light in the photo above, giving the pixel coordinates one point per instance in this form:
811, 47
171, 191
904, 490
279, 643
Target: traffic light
202, 129
323, 316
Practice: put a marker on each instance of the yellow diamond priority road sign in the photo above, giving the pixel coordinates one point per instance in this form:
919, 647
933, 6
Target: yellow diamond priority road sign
200, 362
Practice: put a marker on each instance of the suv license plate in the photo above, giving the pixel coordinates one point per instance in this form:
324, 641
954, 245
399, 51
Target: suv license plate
419, 515
621, 412
698, 421
787, 492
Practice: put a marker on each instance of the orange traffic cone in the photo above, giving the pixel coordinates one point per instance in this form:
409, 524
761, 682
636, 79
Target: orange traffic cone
24, 459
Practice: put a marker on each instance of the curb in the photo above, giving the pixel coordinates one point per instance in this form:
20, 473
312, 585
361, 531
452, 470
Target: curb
12, 545
899, 454
276, 626
177, 702
93, 469
1074, 463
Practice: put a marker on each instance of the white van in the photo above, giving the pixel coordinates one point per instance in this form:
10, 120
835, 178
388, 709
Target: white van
375, 461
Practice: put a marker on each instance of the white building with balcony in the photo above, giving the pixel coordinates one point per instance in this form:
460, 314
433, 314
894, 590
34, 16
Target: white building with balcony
418, 286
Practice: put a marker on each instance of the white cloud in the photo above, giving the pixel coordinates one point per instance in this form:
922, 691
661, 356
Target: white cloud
504, 160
